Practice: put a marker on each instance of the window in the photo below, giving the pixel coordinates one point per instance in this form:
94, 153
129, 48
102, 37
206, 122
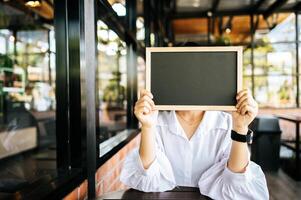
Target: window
112, 82
27, 105
274, 73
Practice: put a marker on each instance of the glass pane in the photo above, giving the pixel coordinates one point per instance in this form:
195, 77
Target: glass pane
32, 41
247, 82
299, 91
7, 41
277, 28
52, 40
275, 91
27, 104
247, 67
112, 82
141, 73
140, 28
2, 45
275, 59
299, 24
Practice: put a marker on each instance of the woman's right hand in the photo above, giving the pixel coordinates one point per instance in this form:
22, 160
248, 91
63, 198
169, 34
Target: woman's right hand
145, 110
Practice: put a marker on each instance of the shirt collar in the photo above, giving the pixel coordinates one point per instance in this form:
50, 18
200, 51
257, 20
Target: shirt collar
211, 120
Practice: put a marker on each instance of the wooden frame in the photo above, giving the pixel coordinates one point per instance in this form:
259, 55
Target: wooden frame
237, 49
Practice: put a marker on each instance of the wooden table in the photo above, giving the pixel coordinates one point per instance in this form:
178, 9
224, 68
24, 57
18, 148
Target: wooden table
178, 193
294, 171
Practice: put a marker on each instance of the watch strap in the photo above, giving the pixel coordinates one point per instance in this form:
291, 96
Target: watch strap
242, 138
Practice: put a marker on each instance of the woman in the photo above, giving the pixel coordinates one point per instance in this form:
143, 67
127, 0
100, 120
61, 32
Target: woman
194, 148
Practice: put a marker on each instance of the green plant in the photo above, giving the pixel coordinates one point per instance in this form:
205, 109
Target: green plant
114, 93
5, 61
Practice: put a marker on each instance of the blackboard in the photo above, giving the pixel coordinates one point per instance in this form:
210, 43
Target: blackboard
194, 78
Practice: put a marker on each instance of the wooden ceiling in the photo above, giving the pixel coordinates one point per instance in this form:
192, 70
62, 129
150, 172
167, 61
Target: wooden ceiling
45, 11
240, 26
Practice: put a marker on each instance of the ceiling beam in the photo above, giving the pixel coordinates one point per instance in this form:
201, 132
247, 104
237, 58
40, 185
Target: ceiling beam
297, 7
256, 6
214, 6
274, 7
189, 15
186, 15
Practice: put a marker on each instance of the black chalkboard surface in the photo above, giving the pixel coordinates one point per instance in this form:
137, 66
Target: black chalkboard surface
194, 78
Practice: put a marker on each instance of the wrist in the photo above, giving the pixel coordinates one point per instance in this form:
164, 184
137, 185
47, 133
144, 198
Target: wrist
147, 127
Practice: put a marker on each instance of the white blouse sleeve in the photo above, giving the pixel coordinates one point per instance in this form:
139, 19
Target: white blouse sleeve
218, 182
158, 177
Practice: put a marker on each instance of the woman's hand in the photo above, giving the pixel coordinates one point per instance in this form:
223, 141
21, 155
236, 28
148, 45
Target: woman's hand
145, 110
247, 109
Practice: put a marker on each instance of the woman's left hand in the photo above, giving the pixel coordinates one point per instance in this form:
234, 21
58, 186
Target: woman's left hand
247, 109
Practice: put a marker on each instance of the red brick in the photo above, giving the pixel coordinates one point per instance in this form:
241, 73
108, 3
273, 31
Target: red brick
122, 153
99, 189
103, 170
107, 176
107, 182
83, 190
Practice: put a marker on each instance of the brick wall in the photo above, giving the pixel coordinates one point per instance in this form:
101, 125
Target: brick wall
107, 176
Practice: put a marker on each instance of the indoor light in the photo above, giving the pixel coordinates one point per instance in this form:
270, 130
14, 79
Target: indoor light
228, 30
11, 38
119, 9
33, 3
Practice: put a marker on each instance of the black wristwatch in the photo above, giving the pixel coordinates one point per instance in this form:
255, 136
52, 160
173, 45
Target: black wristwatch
242, 138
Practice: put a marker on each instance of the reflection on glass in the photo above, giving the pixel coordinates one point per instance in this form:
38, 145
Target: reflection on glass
247, 83
141, 73
284, 31
299, 91
140, 35
111, 82
27, 99
272, 59
247, 67
275, 91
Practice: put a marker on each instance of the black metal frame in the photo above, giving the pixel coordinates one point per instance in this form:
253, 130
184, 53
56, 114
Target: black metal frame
132, 121
75, 24
88, 65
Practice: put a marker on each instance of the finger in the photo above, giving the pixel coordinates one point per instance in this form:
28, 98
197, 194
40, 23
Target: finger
241, 100
247, 101
141, 112
145, 92
148, 99
241, 93
239, 109
247, 109
144, 110
145, 98
246, 98
144, 104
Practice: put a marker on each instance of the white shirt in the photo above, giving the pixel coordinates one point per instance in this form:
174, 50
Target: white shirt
198, 162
